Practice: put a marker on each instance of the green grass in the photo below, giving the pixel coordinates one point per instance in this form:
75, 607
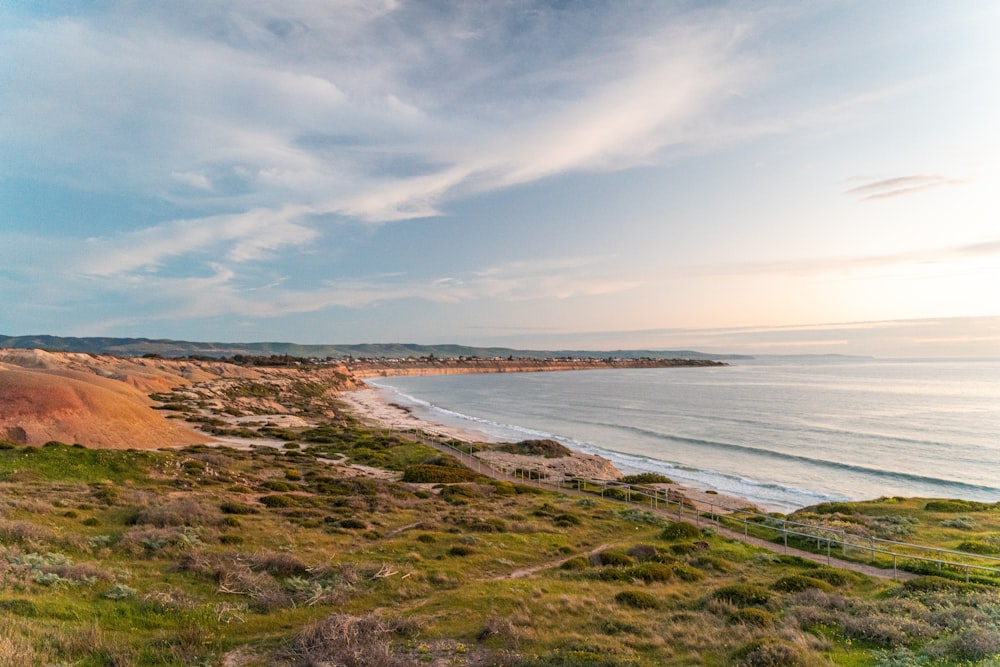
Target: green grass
122, 557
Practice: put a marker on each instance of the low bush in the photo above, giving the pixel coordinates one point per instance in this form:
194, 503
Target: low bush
955, 506
646, 478
680, 530
278, 500
796, 583
687, 573
979, 547
278, 485
575, 563
654, 572
742, 595
769, 652
549, 449
613, 557
959, 523
637, 599
754, 617
423, 473
234, 507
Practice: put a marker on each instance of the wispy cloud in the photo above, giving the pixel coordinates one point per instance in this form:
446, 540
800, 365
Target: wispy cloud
900, 186
238, 238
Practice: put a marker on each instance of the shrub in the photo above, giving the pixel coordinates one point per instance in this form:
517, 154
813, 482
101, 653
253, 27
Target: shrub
976, 644
955, 506
461, 550
643, 552
614, 557
342, 639
575, 563
233, 507
680, 530
979, 547
796, 583
278, 485
549, 449
754, 617
832, 576
182, 512
230, 538
832, 508
685, 572
646, 478
423, 473
650, 572
769, 652
637, 600
279, 500
960, 523
742, 595
353, 524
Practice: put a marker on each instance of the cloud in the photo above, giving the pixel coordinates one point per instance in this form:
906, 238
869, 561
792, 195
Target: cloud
242, 237
984, 255
900, 186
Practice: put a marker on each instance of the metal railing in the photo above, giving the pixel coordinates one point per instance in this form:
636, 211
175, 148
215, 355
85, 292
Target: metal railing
878, 551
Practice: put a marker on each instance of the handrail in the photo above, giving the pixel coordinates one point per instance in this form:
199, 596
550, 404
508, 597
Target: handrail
655, 496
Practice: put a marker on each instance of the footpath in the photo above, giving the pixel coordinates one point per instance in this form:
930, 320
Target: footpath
482, 467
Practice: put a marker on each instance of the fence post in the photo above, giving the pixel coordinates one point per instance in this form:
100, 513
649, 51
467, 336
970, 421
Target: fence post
784, 532
828, 552
894, 567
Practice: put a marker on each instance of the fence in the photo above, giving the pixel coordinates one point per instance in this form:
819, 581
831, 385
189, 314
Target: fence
877, 550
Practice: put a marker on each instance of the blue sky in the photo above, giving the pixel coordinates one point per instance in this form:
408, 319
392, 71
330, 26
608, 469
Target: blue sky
749, 176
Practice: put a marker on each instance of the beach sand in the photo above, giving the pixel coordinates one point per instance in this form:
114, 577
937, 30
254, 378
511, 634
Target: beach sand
371, 406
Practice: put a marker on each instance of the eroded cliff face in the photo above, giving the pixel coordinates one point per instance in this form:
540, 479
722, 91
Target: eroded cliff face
104, 401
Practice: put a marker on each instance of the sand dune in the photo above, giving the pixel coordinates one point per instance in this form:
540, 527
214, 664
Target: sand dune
93, 401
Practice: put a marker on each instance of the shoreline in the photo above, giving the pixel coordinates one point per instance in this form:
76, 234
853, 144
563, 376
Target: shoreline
369, 404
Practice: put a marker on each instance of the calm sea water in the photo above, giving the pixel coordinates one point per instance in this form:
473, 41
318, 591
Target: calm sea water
784, 434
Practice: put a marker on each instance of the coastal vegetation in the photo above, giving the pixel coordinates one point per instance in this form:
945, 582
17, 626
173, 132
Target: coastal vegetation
294, 555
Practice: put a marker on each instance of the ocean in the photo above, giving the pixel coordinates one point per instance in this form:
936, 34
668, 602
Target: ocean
782, 432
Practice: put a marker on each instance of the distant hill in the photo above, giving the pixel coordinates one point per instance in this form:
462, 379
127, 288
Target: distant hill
134, 347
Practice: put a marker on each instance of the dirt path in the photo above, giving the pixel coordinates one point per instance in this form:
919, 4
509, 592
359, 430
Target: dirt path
528, 571
477, 464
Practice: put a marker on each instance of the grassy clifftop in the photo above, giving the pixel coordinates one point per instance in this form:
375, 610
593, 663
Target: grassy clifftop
292, 556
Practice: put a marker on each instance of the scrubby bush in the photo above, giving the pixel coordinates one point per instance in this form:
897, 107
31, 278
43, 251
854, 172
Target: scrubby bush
652, 572
423, 473
643, 552
769, 652
687, 573
979, 547
637, 599
832, 576
646, 478
279, 500
955, 506
796, 583
831, 508
753, 616
613, 557
960, 523
742, 595
680, 530
549, 449
278, 485
575, 563
234, 507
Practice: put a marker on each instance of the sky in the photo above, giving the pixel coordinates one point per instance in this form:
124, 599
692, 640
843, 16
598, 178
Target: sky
770, 177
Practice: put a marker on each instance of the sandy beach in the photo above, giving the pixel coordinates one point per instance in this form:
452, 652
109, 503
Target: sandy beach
370, 405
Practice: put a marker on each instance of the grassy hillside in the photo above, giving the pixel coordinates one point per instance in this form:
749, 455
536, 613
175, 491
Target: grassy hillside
278, 556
